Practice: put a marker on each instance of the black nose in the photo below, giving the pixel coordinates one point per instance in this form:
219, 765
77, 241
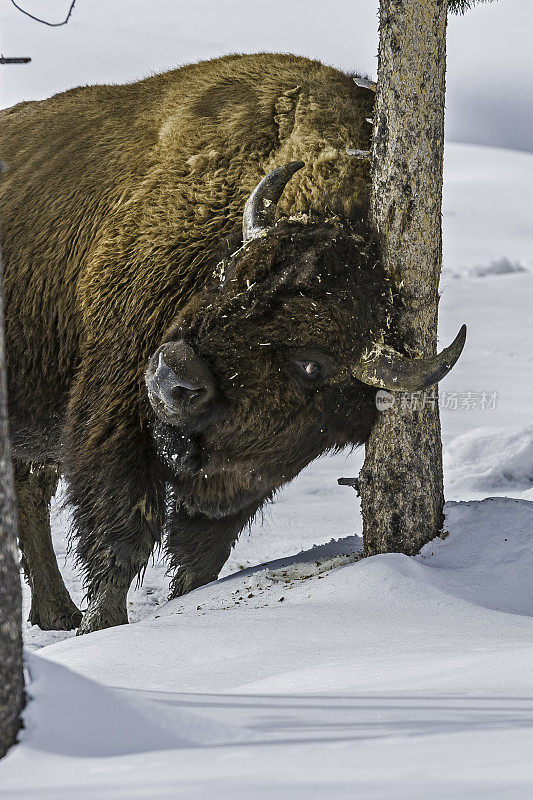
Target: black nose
180, 379
172, 389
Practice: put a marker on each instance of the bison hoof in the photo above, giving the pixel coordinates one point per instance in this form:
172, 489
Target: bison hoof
51, 617
184, 582
97, 618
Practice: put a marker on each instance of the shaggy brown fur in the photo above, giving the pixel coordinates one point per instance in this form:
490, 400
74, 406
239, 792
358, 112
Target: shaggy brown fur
117, 204
51, 606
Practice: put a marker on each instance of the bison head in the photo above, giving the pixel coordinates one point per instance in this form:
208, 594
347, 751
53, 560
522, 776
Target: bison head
277, 361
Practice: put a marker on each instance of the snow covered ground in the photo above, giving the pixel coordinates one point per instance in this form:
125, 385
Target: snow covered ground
316, 676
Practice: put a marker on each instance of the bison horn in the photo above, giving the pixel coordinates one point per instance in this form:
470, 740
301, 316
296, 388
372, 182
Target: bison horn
260, 208
385, 368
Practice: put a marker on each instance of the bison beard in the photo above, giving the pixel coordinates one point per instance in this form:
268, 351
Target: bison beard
175, 368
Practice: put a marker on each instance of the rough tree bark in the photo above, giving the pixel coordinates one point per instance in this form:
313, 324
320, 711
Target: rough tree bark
401, 481
11, 674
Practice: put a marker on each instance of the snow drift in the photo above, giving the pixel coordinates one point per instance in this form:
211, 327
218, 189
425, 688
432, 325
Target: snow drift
386, 677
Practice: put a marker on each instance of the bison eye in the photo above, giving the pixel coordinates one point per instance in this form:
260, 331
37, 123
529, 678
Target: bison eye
310, 369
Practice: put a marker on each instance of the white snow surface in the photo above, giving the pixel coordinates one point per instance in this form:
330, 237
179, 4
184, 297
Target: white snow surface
313, 676
306, 672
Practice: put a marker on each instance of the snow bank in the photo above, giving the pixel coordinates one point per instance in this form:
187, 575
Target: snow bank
488, 196
487, 557
485, 460
386, 677
75, 716
497, 266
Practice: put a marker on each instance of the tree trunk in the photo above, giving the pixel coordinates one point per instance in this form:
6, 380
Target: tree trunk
11, 675
401, 480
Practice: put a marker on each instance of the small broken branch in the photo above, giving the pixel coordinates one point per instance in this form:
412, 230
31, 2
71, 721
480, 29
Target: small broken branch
353, 482
14, 60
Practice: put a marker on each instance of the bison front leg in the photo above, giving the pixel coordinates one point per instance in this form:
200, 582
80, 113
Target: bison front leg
117, 531
199, 546
117, 495
51, 605
115, 540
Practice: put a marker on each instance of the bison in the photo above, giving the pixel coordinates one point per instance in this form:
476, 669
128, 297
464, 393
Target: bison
196, 309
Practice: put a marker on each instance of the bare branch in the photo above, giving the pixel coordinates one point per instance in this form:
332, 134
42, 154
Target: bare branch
14, 60
44, 21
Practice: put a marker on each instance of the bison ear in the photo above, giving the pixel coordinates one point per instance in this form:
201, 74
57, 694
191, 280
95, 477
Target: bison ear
285, 111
